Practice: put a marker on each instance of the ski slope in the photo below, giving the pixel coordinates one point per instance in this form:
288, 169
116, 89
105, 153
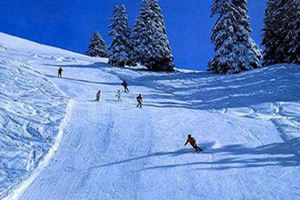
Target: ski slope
248, 125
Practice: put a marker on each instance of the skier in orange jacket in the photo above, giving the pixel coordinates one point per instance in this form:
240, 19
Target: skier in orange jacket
193, 143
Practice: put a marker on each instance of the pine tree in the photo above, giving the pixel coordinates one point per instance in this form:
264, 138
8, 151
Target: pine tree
97, 47
252, 52
271, 36
121, 44
281, 33
127, 36
241, 7
151, 44
140, 34
235, 51
216, 7
222, 37
164, 56
289, 48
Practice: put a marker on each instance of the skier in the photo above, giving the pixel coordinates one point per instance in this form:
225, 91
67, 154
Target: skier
125, 85
118, 95
139, 100
98, 94
60, 70
193, 143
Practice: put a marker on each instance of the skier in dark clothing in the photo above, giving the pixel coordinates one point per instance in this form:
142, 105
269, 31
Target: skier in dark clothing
125, 85
139, 100
98, 96
60, 70
193, 143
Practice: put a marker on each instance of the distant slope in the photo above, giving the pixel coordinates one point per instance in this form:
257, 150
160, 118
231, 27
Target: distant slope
248, 124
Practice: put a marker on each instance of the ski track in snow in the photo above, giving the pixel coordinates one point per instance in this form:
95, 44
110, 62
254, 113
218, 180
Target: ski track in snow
248, 125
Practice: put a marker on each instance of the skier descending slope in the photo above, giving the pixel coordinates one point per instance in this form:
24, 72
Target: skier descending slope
118, 95
60, 70
98, 94
193, 143
139, 100
125, 85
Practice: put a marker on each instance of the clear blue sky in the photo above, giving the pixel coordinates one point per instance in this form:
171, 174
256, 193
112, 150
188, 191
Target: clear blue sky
69, 24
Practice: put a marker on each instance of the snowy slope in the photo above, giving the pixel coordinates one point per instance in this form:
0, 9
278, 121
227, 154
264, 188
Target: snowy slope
248, 124
31, 109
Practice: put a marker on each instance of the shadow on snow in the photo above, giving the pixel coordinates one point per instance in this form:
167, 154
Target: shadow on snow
206, 90
83, 81
286, 154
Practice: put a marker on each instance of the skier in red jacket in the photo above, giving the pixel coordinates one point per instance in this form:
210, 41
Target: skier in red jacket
139, 100
193, 143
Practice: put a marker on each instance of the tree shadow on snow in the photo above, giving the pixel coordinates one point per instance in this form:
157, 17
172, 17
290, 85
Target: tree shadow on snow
180, 152
84, 81
203, 90
286, 154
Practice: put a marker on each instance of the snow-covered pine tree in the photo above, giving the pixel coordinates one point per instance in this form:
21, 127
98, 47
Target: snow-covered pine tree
216, 7
252, 52
127, 36
272, 38
164, 56
289, 49
140, 34
281, 33
151, 45
121, 44
241, 7
234, 50
97, 47
223, 38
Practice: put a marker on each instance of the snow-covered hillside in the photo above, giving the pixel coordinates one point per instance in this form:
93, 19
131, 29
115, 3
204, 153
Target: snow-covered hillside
248, 125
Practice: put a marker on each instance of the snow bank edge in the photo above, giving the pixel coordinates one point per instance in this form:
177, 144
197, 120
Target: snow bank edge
27, 182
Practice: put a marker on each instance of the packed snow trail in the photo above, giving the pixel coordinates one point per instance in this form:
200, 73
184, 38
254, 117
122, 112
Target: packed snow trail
112, 150
87, 143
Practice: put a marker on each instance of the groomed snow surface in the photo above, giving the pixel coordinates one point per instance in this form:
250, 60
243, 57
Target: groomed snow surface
58, 144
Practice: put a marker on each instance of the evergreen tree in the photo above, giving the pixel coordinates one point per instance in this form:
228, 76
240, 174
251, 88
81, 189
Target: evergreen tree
127, 36
163, 54
121, 44
151, 45
97, 47
243, 26
222, 37
271, 36
235, 51
140, 34
241, 4
241, 7
216, 7
281, 33
289, 48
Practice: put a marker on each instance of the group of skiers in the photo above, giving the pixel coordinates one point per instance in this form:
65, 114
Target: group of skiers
139, 99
